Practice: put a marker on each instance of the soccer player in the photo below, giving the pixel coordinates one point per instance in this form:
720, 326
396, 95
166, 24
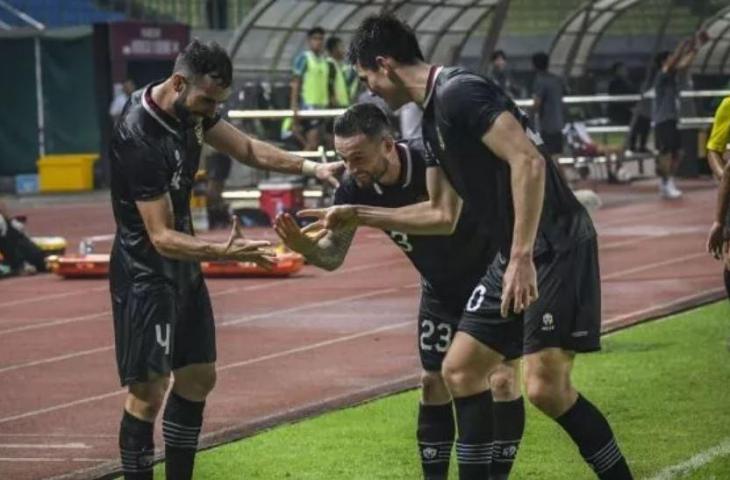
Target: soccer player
718, 243
393, 174
163, 321
483, 150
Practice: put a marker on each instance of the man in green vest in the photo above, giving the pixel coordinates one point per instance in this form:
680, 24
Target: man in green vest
342, 80
309, 86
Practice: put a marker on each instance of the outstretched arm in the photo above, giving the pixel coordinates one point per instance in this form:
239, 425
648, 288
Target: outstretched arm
437, 216
227, 139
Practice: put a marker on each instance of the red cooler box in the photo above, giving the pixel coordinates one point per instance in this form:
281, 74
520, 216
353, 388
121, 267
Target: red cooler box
280, 197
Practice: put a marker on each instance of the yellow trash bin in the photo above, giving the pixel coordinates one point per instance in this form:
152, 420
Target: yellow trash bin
71, 172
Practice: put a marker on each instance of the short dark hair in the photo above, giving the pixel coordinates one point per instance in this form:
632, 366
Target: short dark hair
332, 43
199, 59
383, 35
499, 54
365, 118
540, 61
315, 31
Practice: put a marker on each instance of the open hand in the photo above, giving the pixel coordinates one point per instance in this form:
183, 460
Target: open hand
519, 285
332, 218
300, 240
242, 250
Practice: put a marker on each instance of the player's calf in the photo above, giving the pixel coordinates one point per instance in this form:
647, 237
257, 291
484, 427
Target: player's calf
183, 418
136, 445
466, 370
509, 418
549, 389
436, 427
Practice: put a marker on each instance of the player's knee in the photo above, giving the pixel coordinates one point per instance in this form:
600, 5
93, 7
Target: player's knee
196, 384
459, 377
504, 385
433, 388
146, 400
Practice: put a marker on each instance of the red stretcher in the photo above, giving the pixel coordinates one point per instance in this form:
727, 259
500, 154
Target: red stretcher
96, 265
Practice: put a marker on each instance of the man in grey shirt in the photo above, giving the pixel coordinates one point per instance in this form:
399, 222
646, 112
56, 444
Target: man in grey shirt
547, 93
665, 112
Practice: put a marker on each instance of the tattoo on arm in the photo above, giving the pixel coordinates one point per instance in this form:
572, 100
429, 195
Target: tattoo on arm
332, 249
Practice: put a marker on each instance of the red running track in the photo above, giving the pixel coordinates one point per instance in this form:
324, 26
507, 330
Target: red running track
287, 348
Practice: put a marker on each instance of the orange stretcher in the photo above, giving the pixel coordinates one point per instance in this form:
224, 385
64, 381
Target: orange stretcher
96, 265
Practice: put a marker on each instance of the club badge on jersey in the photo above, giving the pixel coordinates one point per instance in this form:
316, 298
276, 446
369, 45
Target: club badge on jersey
199, 132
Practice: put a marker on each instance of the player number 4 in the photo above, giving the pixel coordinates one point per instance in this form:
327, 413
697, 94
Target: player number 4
164, 342
444, 332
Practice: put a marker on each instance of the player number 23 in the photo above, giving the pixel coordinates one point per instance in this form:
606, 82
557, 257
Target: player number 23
444, 336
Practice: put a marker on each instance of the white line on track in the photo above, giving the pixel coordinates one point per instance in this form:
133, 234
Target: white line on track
56, 359
220, 293
55, 446
651, 266
629, 220
720, 450
58, 435
304, 348
674, 302
43, 298
52, 459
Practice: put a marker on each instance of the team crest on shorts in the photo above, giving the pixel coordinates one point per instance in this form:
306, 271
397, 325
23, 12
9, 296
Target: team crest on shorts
548, 322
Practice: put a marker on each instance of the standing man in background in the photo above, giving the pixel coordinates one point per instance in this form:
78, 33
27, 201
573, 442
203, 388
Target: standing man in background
547, 93
665, 112
309, 87
500, 73
717, 146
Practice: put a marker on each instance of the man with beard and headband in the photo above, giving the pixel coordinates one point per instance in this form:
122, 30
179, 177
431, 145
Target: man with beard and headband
386, 173
481, 148
163, 321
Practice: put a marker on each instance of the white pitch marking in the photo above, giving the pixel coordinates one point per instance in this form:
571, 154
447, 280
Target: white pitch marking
52, 459
720, 450
56, 359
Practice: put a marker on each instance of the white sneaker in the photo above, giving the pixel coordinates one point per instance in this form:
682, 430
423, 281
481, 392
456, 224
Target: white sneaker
669, 191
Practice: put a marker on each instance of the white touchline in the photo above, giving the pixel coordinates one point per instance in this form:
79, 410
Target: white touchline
722, 449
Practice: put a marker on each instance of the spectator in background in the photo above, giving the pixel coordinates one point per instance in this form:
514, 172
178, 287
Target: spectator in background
501, 75
547, 94
641, 124
16, 248
218, 168
665, 112
340, 76
620, 112
309, 87
122, 91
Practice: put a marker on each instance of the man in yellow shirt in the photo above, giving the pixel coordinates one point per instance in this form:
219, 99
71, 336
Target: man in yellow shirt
718, 242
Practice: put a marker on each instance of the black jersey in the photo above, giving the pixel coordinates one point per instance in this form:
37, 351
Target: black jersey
450, 266
151, 154
459, 109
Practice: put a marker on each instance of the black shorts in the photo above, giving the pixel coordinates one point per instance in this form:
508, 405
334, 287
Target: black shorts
158, 330
666, 137
552, 142
566, 315
437, 323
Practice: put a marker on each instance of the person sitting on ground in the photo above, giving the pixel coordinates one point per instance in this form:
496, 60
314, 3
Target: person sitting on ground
19, 254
